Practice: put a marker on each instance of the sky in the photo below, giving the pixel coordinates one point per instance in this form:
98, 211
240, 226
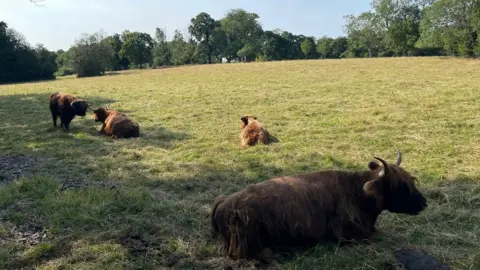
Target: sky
58, 23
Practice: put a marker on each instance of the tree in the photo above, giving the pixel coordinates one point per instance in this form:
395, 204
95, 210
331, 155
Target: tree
90, 56
202, 27
324, 47
47, 62
183, 52
308, 47
162, 55
364, 34
20, 62
64, 63
452, 25
137, 48
241, 29
116, 43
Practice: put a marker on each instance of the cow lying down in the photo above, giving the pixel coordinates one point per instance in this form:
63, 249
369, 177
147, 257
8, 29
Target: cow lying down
116, 124
253, 131
306, 209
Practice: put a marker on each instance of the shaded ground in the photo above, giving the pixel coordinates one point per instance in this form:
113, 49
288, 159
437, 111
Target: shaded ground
14, 166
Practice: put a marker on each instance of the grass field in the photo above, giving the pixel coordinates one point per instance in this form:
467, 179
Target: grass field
144, 203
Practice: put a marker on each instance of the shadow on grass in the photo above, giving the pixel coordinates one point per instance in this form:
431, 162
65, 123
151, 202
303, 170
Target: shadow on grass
164, 222
28, 129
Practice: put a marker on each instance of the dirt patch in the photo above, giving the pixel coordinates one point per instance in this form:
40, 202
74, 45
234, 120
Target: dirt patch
26, 235
15, 166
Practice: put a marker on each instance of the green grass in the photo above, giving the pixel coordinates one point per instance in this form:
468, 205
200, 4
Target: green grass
144, 203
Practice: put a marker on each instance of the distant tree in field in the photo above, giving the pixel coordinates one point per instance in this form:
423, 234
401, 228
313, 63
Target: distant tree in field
202, 28
162, 56
183, 52
90, 56
243, 34
19, 62
364, 34
453, 25
47, 62
116, 43
137, 48
64, 63
332, 47
308, 47
294, 45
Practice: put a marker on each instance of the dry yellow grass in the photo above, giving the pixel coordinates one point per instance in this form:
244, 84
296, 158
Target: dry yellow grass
144, 203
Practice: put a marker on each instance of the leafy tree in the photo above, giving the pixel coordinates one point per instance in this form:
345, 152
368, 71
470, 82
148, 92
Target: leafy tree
20, 62
241, 29
137, 48
324, 47
90, 56
364, 34
47, 62
116, 43
275, 47
308, 47
202, 27
452, 25
64, 63
162, 55
183, 52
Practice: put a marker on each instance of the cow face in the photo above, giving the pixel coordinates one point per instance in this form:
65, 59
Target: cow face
79, 107
100, 114
245, 119
394, 188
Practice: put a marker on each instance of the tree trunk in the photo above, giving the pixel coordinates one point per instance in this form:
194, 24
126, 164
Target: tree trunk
209, 49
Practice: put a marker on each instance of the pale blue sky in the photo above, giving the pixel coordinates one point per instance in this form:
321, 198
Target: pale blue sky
60, 22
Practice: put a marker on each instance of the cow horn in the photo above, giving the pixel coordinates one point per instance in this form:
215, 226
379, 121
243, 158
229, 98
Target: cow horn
384, 170
399, 158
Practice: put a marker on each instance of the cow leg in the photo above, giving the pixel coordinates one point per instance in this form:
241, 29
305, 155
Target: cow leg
65, 123
54, 118
102, 129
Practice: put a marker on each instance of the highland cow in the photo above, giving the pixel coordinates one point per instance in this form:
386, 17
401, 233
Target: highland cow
252, 131
307, 209
66, 107
116, 124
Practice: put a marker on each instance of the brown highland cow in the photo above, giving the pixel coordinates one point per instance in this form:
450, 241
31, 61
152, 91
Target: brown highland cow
67, 107
252, 131
116, 124
307, 209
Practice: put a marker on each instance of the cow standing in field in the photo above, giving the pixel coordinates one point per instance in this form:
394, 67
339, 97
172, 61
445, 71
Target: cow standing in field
66, 107
306, 209
116, 124
252, 131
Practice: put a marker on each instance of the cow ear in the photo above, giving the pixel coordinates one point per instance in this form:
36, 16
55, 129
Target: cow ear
372, 165
369, 188
372, 188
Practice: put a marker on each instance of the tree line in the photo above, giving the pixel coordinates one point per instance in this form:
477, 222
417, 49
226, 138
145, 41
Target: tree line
389, 28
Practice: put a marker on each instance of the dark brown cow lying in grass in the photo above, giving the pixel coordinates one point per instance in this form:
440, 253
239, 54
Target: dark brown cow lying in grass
306, 209
252, 131
116, 124
66, 107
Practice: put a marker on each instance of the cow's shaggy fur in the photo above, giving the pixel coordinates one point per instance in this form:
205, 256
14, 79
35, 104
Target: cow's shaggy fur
306, 209
116, 124
66, 107
252, 131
